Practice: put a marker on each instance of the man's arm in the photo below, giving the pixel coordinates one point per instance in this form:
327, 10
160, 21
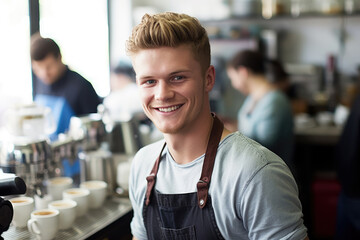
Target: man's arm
275, 210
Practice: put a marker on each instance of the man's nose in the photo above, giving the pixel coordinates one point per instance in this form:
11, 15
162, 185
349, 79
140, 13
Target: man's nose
163, 91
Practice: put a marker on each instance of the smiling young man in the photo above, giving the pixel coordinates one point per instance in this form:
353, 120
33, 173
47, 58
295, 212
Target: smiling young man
201, 181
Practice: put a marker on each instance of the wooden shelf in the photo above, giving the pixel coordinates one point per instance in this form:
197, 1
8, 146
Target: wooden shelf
283, 16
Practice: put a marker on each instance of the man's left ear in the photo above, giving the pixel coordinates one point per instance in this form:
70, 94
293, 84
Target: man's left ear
210, 78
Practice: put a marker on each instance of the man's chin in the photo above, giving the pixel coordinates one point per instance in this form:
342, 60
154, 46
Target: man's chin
167, 129
48, 81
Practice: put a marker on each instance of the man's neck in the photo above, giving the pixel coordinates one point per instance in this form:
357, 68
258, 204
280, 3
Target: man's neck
192, 143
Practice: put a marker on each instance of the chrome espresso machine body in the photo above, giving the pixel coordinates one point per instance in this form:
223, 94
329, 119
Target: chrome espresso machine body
24, 146
38, 159
97, 146
118, 144
29, 159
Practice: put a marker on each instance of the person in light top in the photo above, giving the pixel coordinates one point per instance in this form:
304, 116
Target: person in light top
266, 114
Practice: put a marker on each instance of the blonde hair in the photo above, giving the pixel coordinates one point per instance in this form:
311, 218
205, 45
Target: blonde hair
170, 30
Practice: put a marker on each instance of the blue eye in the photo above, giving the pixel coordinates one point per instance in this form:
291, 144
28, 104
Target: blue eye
177, 78
150, 82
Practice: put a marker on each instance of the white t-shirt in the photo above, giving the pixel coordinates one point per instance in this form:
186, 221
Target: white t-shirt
253, 193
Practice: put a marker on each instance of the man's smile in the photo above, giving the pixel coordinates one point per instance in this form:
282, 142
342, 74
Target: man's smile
169, 109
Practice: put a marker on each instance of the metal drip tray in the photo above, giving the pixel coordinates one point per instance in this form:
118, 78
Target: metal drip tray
85, 226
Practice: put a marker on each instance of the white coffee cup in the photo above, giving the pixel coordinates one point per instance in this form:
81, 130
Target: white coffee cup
42, 202
80, 196
98, 192
23, 206
57, 185
67, 210
44, 223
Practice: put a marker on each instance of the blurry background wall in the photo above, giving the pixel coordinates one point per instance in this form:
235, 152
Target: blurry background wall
92, 34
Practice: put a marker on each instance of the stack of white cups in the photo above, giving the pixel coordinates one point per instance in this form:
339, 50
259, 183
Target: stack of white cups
65, 205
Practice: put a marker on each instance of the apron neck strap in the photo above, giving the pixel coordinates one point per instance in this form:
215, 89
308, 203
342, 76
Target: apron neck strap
209, 161
152, 177
208, 165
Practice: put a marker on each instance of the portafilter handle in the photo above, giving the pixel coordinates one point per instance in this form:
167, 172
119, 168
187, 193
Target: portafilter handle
12, 186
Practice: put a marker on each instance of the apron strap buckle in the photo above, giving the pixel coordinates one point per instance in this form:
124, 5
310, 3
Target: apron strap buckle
151, 182
202, 191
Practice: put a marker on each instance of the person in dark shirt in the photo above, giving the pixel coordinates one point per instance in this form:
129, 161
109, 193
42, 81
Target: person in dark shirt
348, 169
66, 92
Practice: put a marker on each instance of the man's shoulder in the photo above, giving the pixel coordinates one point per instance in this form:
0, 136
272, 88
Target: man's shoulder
246, 152
143, 162
77, 83
149, 153
76, 77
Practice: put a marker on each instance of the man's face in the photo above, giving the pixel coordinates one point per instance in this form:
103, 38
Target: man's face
49, 69
173, 89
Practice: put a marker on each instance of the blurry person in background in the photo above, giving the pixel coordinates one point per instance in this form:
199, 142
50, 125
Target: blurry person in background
123, 100
266, 114
66, 92
277, 75
281, 80
348, 170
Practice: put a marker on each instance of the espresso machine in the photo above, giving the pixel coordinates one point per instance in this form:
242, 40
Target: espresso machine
64, 154
37, 159
88, 138
93, 143
24, 146
106, 145
29, 159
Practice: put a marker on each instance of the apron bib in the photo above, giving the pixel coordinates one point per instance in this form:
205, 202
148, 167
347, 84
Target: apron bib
184, 216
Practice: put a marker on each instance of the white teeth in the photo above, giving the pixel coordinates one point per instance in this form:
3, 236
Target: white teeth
169, 109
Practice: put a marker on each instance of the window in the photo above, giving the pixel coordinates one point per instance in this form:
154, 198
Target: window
80, 28
15, 67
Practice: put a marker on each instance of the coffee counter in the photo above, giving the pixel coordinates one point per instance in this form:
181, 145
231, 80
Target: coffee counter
318, 135
314, 162
92, 224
